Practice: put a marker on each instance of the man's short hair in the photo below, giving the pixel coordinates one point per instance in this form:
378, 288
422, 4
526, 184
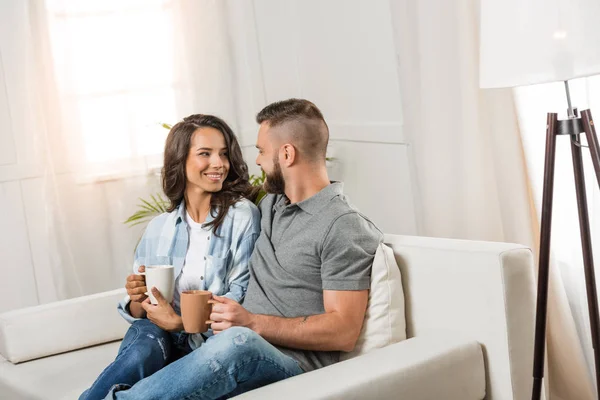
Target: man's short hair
303, 126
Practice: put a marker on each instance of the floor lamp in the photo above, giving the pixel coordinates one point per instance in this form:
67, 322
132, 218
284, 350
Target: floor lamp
537, 41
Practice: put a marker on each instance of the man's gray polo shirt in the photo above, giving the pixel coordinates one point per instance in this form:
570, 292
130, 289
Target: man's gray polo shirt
321, 243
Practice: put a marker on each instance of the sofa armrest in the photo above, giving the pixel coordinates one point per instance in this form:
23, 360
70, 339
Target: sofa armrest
482, 290
422, 368
61, 326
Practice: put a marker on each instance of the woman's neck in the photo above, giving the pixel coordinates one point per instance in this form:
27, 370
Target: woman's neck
197, 204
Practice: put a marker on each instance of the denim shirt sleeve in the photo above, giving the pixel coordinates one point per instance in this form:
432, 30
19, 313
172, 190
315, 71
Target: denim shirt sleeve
139, 259
123, 309
239, 274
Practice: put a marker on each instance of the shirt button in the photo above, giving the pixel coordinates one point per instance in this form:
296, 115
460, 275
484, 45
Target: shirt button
208, 238
204, 258
201, 278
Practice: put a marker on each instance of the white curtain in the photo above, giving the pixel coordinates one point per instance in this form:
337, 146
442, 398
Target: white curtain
98, 79
204, 60
470, 171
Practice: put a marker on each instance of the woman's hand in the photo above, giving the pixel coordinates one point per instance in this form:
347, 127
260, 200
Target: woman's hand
136, 286
162, 314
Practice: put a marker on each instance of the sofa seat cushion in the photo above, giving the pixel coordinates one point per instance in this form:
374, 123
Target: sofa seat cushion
59, 377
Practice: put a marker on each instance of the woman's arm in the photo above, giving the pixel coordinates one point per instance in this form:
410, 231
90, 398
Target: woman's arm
239, 274
136, 310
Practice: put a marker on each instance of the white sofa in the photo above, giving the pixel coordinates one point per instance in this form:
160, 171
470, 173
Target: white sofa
469, 313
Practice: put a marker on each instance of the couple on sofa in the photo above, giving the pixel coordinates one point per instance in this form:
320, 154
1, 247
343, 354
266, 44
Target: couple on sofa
301, 265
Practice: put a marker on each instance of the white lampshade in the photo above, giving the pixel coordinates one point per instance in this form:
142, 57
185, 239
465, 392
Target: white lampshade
524, 42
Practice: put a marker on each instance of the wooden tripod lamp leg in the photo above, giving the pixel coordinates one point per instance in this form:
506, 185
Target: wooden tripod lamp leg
592, 139
544, 259
584, 226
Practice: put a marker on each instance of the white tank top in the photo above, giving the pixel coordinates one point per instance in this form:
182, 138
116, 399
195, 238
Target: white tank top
194, 267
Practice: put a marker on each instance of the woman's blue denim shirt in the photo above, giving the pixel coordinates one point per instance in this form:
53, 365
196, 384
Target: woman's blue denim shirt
166, 240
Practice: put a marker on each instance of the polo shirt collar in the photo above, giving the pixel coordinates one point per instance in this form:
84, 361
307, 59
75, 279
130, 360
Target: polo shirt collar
315, 203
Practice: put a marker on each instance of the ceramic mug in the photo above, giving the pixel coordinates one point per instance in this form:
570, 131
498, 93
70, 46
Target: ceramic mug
196, 306
161, 277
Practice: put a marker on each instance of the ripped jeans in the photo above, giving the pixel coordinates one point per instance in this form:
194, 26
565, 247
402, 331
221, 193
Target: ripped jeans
145, 349
227, 364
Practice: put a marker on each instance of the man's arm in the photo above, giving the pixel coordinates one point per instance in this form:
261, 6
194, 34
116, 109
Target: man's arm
335, 330
348, 252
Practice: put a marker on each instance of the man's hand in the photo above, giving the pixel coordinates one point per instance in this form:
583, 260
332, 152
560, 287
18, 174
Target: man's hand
162, 314
227, 313
136, 286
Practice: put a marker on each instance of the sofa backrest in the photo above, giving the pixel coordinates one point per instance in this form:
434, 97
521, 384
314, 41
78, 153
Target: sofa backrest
483, 290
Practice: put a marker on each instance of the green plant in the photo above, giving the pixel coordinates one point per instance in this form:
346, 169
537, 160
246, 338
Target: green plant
259, 182
148, 209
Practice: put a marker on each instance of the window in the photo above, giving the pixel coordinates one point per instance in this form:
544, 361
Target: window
113, 62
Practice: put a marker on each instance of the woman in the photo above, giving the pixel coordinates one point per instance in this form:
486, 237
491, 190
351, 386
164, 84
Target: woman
208, 235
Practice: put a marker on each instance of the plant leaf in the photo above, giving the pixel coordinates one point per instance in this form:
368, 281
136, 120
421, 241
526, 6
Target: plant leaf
150, 205
159, 202
139, 222
261, 194
147, 208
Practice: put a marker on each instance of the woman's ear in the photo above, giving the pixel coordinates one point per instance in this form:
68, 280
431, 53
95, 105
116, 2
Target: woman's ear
289, 155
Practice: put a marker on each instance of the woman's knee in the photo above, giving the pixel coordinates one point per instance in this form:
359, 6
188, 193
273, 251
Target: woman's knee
150, 344
147, 326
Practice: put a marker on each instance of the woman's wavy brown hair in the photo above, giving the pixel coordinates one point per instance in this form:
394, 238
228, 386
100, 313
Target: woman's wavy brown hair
174, 179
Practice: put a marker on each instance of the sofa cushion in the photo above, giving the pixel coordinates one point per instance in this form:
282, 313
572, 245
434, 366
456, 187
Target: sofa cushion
384, 321
445, 366
59, 377
65, 325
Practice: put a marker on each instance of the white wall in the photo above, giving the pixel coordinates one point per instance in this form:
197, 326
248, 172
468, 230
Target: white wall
340, 54
337, 53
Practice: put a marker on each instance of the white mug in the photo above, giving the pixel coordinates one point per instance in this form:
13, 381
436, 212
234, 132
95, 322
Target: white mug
161, 277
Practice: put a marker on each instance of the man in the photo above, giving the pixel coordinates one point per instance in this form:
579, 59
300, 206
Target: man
310, 274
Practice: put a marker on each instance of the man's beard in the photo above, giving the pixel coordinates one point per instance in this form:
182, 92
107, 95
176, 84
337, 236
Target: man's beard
275, 183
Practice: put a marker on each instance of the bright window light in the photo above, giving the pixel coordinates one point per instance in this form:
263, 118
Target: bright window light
113, 60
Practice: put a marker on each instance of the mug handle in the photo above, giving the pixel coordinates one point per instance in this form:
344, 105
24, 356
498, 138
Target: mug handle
211, 302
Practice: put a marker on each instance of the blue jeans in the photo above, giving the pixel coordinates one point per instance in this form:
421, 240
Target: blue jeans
227, 364
145, 349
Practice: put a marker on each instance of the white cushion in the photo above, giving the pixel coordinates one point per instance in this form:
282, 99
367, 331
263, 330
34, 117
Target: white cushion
384, 321
61, 326
435, 367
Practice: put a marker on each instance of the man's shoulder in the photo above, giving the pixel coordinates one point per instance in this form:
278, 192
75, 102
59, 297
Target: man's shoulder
346, 218
340, 206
